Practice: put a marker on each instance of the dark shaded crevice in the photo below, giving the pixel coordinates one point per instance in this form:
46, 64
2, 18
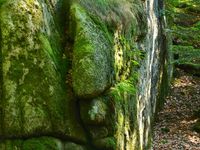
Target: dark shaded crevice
22, 117
125, 136
64, 22
1, 87
59, 136
68, 44
62, 19
63, 9
97, 94
90, 144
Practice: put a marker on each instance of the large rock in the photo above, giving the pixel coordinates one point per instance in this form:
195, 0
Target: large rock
33, 100
94, 82
42, 143
91, 55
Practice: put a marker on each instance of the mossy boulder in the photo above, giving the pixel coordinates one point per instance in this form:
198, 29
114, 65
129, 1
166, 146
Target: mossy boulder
91, 73
34, 100
40, 143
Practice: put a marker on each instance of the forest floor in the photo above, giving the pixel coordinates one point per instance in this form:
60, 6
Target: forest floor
174, 126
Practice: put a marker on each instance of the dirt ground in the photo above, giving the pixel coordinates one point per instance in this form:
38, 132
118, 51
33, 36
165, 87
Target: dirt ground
174, 127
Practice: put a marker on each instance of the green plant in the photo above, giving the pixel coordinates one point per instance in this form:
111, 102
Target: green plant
125, 87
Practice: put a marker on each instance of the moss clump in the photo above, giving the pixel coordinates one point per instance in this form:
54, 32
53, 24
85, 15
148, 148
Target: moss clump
44, 143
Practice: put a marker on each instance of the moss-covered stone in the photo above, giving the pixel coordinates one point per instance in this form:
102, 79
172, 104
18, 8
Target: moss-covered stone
39, 143
43, 143
73, 146
91, 56
34, 100
103, 107
94, 112
11, 144
98, 132
108, 143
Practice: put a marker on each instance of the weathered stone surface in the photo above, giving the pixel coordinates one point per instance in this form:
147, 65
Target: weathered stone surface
98, 132
73, 146
44, 143
106, 143
94, 112
117, 59
11, 144
91, 56
33, 98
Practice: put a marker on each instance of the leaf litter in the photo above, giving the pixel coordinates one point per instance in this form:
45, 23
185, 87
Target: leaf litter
174, 126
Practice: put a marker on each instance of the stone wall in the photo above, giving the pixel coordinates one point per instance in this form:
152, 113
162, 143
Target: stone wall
81, 75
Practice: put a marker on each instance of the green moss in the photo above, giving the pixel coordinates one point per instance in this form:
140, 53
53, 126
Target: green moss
126, 80
73, 146
94, 112
44, 143
186, 31
163, 87
187, 54
102, 26
11, 144
91, 55
48, 49
2, 2
126, 86
185, 21
128, 15
106, 143
52, 47
34, 90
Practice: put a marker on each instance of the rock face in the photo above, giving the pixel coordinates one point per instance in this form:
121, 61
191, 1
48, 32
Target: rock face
91, 55
80, 75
